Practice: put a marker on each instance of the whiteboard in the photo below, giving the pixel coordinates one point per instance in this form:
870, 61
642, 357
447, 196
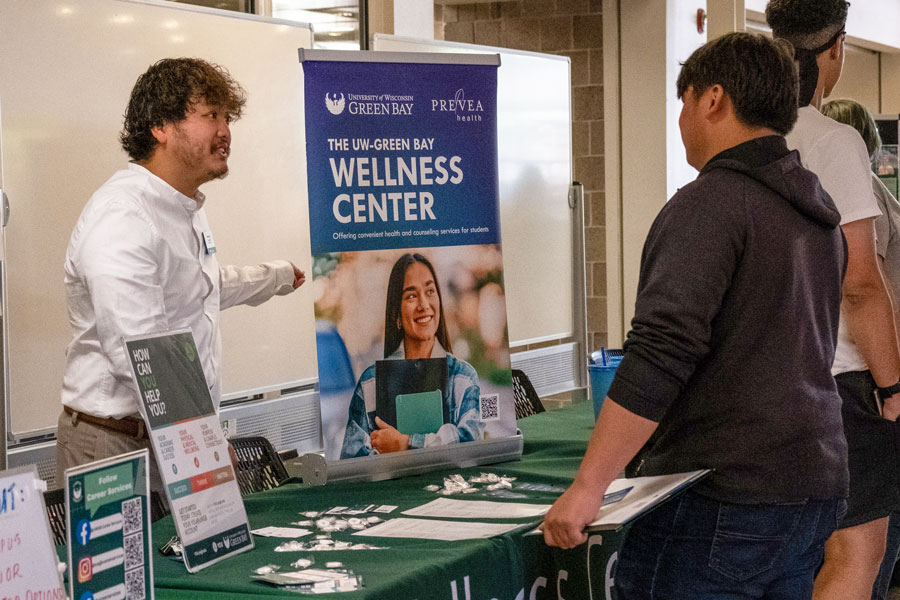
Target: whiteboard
66, 73
535, 168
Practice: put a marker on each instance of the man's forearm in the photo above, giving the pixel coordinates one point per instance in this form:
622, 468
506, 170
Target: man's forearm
866, 308
618, 435
870, 320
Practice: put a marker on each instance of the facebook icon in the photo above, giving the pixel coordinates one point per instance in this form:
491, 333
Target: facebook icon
83, 530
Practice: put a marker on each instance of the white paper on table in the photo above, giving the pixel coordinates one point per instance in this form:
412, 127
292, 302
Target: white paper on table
430, 529
281, 532
477, 509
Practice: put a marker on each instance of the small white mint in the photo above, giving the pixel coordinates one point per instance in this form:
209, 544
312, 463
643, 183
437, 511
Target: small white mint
266, 569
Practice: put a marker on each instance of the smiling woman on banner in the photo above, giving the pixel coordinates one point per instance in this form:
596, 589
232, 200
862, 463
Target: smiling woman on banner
415, 328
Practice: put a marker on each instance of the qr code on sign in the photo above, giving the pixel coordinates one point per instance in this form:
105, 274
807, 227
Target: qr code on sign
490, 407
134, 550
132, 517
135, 586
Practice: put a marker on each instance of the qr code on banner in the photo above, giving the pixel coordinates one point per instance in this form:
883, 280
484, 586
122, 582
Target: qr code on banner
135, 586
134, 550
132, 515
490, 407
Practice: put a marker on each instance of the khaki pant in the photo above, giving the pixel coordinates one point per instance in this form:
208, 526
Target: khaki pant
82, 442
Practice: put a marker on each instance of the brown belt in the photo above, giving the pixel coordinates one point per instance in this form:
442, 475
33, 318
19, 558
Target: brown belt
129, 425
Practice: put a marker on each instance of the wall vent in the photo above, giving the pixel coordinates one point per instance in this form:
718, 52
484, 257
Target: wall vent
553, 369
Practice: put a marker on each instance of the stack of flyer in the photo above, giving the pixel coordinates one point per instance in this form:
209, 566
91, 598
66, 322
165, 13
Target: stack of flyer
314, 581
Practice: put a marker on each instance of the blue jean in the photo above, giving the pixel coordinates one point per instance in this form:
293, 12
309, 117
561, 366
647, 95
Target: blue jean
891, 550
696, 548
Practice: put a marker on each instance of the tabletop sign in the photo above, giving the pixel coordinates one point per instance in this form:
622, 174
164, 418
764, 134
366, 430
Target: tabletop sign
108, 527
27, 555
189, 447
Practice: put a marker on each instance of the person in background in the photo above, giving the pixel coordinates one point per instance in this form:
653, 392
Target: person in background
414, 327
887, 238
728, 362
867, 359
141, 258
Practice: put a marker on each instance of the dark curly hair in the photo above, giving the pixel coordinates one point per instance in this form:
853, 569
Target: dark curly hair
758, 74
806, 24
166, 92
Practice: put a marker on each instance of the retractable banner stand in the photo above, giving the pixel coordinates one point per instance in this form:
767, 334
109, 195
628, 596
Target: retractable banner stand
190, 448
413, 350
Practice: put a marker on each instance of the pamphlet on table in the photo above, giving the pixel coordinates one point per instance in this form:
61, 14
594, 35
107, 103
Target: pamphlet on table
433, 529
477, 509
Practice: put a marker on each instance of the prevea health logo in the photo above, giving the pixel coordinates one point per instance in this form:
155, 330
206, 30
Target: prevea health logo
466, 109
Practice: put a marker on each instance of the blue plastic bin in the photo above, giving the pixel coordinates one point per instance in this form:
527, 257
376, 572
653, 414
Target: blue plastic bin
601, 377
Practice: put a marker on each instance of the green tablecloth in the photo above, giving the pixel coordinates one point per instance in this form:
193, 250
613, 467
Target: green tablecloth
511, 566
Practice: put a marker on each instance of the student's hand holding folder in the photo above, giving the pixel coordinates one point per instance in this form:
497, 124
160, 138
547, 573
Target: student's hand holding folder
564, 524
624, 501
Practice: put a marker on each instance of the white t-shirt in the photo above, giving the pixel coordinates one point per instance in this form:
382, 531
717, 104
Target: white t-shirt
837, 155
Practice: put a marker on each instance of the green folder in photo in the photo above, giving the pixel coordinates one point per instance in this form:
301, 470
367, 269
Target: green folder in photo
420, 413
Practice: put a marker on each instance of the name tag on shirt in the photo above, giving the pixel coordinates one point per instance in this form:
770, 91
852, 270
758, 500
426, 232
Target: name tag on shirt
209, 243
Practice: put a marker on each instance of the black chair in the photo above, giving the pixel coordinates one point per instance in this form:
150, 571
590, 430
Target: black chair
527, 400
159, 508
259, 466
56, 514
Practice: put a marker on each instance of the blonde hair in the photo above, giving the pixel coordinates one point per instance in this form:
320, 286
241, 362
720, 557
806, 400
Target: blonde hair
857, 116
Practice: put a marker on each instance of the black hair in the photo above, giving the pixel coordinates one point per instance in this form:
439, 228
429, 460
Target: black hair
758, 74
806, 24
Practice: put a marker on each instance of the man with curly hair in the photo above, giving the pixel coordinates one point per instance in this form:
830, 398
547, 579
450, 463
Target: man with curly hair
141, 258
867, 360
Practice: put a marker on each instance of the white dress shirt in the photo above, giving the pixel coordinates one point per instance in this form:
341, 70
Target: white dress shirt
138, 263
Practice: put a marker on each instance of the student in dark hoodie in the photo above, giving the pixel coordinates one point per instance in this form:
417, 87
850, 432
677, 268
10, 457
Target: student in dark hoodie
728, 363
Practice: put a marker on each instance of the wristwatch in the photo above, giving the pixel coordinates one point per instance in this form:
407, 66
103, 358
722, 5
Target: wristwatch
886, 392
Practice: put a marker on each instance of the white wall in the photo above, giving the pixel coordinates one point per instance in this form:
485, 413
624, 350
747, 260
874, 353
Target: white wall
859, 79
682, 38
414, 18
409, 18
645, 162
890, 84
